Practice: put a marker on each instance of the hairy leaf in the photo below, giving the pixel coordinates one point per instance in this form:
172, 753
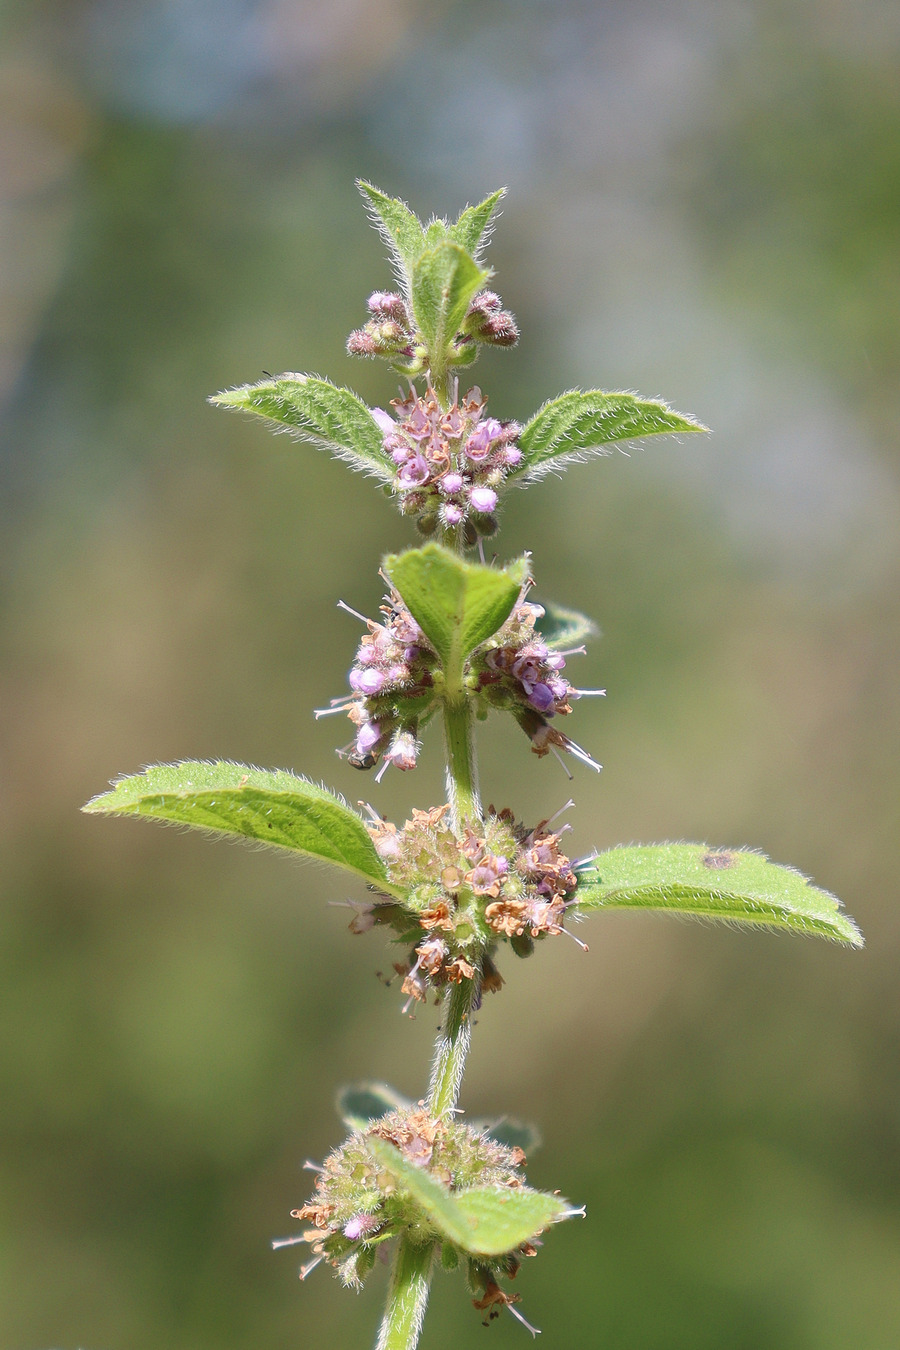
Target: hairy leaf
273, 807
359, 1104
561, 627
458, 605
577, 424
399, 227
485, 1220
444, 280
316, 410
731, 884
472, 230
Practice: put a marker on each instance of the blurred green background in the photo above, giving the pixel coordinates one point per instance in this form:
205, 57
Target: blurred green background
705, 205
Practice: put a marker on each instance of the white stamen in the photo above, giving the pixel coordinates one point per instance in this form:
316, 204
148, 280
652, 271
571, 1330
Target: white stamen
310, 1267
589, 693
481, 551
575, 1213
556, 815
312, 1167
535, 1331
565, 767
583, 755
382, 771
583, 945
286, 1242
573, 651
356, 614
579, 863
338, 706
379, 820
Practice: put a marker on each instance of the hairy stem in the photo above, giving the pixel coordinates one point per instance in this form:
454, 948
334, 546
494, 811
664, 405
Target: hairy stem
451, 1048
407, 1296
462, 768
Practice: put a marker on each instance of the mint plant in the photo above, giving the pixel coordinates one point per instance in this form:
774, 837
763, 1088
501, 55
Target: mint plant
458, 883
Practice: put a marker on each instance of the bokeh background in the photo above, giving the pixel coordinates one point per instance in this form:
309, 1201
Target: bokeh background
705, 205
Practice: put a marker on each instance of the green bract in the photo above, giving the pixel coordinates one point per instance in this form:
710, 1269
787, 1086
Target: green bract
483, 1221
458, 605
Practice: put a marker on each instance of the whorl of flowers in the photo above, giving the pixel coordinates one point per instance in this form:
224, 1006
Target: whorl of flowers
517, 671
500, 881
392, 678
391, 332
355, 1207
450, 461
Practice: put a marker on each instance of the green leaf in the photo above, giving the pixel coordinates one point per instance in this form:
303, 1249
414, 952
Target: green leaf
359, 1104
501, 1219
399, 227
316, 410
472, 230
444, 280
458, 605
578, 424
273, 807
484, 1221
560, 627
732, 884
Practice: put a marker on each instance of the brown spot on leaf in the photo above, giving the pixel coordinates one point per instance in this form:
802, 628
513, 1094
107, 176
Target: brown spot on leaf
718, 862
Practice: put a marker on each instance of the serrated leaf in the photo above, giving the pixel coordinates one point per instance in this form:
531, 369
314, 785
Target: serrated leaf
561, 627
444, 280
316, 410
359, 1104
484, 1221
577, 424
272, 807
472, 230
399, 227
458, 605
736, 885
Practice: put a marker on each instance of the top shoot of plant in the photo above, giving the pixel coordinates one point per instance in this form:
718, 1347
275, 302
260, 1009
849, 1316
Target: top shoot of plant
457, 887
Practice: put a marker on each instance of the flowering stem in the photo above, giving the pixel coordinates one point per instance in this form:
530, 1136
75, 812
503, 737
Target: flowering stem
407, 1296
451, 1048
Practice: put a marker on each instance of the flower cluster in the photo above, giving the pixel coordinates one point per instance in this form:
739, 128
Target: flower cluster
450, 461
391, 332
500, 881
356, 1207
392, 678
518, 672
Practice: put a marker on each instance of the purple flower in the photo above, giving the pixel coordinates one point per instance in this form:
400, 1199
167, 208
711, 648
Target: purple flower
483, 499
367, 737
479, 444
451, 483
540, 696
367, 681
414, 472
384, 420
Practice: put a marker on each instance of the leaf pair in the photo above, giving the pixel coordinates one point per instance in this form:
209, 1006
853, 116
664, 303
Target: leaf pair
436, 267
290, 813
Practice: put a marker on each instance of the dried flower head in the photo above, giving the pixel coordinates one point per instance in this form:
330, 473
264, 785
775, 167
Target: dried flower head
357, 1206
498, 882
